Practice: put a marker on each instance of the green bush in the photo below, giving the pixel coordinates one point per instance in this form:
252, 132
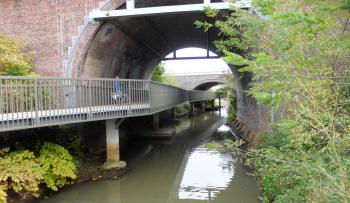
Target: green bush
288, 174
58, 165
3, 194
23, 171
20, 171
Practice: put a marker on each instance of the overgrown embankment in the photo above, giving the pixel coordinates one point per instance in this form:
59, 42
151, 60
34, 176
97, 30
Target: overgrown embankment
299, 57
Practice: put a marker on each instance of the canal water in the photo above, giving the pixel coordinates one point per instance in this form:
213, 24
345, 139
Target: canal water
172, 170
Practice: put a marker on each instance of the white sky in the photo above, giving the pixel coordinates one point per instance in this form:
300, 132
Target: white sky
178, 67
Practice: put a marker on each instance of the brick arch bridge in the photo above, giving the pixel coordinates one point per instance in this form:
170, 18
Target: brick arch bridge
68, 43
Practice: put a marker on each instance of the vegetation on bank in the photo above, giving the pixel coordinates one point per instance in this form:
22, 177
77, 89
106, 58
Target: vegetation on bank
23, 171
160, 76
299, 57
28, 164
228, 92
31, 160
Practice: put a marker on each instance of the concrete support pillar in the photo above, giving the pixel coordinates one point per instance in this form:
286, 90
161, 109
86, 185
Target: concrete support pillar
191, 108
156, 121
173, 113
203, 106
212, 105
220, 106
112, 145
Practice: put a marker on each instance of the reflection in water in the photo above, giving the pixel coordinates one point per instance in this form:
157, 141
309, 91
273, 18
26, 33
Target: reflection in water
181, 171
223, 128
206, 174
183, 125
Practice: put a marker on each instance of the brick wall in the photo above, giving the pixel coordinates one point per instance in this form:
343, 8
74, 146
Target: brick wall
47, 26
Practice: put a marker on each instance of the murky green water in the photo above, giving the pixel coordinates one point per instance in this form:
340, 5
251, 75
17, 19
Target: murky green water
173, 170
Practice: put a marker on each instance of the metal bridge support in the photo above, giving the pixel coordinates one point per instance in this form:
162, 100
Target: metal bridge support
112, 145
156, 121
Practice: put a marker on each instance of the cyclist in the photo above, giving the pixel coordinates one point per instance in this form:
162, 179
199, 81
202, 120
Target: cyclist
119, 91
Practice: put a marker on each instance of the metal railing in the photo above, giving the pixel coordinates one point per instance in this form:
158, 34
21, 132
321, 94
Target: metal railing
165, 96
198, 95
38, 101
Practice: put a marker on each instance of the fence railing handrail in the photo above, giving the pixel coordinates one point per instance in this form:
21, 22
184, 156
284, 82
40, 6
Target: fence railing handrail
63, 78
28, 102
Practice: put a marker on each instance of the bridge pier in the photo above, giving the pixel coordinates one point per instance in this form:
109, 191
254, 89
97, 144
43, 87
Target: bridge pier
156, 121
173, 113
203, 106
212, 105
112, 145
156, 131
191, 108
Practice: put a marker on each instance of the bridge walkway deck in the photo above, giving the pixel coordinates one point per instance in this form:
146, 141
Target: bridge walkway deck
40, 101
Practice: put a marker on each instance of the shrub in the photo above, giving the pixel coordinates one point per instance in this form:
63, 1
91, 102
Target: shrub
23, 171
3, 194
20, 171
57, 164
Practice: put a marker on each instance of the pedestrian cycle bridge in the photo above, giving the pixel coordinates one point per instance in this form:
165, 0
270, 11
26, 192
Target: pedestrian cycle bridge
31, 102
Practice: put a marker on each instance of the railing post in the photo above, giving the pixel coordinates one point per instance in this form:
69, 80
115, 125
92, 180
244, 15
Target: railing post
206, 2
150, 95
130, 99
130, 4
36, 102
89, 114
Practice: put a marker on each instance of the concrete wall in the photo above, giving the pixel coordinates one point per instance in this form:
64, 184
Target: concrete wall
251, 114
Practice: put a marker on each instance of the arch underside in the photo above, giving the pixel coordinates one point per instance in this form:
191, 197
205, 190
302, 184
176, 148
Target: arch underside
206, 85
131, 47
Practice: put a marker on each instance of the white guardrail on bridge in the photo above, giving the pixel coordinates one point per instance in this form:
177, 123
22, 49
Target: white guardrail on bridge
30, 102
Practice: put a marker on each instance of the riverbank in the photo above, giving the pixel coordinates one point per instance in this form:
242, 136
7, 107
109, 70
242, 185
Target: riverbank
88, 172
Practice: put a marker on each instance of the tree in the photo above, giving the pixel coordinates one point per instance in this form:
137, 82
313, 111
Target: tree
300, 59
13, 59
158, 74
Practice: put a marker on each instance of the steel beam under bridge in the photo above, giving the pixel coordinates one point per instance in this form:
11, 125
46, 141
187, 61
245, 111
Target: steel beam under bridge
27, 102
131, 11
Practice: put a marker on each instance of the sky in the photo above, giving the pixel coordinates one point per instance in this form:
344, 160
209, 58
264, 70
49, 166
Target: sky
197, 66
